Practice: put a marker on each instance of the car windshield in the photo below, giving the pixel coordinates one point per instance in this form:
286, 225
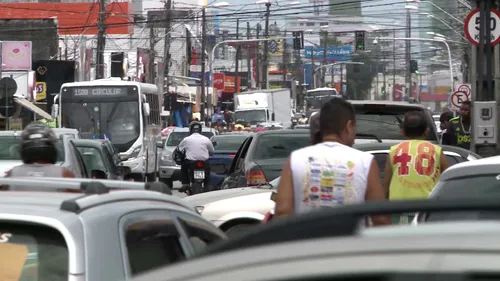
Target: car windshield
10, 149
175, 138
275, 146
385, 122
466, 187
229, 143
32, 253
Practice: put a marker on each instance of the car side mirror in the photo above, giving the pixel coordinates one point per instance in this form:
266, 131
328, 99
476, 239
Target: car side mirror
214, 143
159, 144
124, 170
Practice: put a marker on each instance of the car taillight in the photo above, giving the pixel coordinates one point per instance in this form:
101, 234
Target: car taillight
199, 164
256, 177
232, 155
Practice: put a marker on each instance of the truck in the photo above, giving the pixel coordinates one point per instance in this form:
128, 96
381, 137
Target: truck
264, 106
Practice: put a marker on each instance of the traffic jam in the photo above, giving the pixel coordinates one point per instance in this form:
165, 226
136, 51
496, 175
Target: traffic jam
261, 192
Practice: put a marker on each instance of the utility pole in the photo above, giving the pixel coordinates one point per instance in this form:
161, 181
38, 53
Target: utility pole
265, 67
393, 65
166, 58
237, 59
249, 68
152, 43
285, 60
101, 40
408, 53
258, 66
203, 82
325, 38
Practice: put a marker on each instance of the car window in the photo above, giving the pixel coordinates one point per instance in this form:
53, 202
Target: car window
465, 187
199, 233
174, 138
228, 143
384, 121
274, 146
10, 148
32, 252
92, 159
152, 244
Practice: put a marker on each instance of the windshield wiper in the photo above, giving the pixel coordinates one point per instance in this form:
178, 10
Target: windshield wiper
112, 112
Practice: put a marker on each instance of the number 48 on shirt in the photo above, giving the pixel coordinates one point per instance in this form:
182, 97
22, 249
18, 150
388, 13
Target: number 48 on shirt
423, 162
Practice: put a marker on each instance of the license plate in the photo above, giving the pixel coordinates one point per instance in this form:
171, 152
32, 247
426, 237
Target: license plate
199, 175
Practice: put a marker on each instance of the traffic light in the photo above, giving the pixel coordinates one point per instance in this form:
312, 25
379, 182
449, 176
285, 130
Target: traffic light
360, 40
414, 66
298, 40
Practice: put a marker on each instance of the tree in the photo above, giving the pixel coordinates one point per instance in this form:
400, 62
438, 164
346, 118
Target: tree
360, 77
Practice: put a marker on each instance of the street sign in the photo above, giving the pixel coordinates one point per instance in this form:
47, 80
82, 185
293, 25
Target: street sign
457, 98
219, 81
465, 88
471, 27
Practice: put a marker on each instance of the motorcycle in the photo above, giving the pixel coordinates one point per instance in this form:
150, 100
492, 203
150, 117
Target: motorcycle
197, 177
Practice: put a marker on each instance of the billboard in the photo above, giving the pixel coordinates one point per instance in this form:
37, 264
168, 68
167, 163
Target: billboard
16, 55
333, 53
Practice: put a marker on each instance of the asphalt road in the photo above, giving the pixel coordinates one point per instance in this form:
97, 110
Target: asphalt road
177, 185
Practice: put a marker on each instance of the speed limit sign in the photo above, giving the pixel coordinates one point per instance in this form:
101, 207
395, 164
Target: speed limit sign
471, 26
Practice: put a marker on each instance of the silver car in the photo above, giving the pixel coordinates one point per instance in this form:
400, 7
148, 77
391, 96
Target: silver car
68, 157
169, 171
95, 235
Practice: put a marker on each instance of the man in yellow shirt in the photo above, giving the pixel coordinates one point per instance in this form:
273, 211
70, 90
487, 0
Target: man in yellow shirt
414, 166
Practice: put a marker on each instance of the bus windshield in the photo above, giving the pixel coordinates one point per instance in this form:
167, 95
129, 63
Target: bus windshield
316, 98
100, 112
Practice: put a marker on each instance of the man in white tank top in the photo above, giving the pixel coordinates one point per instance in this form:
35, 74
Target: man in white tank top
330, 172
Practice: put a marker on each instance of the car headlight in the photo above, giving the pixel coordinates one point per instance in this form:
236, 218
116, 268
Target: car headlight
166, 157
199, 209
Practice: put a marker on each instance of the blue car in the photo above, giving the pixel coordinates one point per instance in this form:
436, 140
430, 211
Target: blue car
226, 147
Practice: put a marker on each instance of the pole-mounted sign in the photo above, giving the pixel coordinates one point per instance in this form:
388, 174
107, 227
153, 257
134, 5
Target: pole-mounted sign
471, 27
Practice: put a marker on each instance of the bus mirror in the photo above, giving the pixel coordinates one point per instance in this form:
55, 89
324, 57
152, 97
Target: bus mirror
55, 111
146, 108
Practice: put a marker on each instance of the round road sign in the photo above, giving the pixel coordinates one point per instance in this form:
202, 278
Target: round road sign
471, 27
464, 88
457, 98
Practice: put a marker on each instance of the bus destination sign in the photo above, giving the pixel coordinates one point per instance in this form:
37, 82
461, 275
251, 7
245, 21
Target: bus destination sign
99, 92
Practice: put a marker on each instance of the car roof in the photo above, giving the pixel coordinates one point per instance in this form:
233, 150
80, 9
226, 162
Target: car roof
388, 103
284, 131
308, 251
87, 142
204, 129
484, 166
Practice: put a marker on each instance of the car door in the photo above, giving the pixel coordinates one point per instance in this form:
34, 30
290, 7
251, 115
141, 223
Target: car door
198, 232
236, 171
150, 240
79, 164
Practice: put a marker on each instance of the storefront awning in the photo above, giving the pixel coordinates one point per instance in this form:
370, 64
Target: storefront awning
30, 106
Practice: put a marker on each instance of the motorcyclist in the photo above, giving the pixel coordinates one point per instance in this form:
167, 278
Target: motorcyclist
197, 147
39, 154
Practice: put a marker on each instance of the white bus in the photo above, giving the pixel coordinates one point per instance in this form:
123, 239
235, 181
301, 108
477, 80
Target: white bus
127, 113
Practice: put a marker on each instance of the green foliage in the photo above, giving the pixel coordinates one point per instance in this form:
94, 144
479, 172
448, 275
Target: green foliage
360, 77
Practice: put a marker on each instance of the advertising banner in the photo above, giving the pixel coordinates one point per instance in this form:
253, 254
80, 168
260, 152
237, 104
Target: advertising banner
16, 55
